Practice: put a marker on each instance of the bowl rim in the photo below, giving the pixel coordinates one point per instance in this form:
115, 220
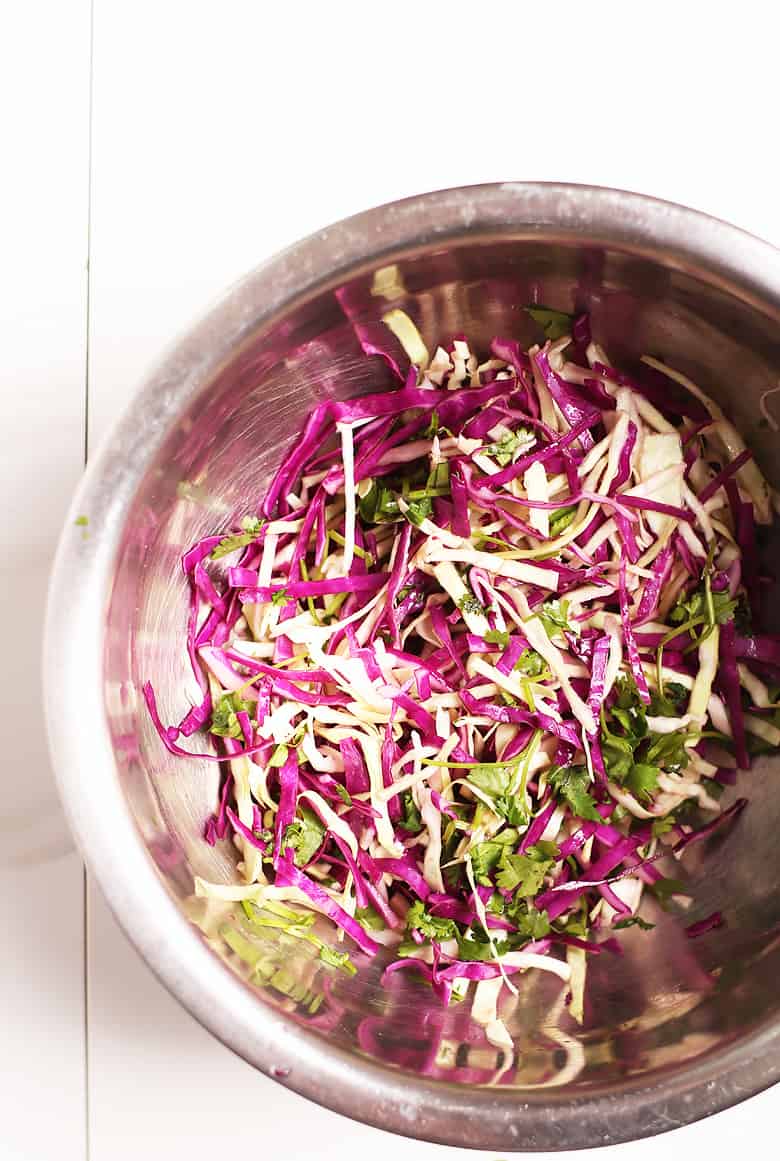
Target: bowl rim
80, 585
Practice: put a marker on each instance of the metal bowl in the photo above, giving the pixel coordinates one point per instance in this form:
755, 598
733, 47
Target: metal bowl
675, 1030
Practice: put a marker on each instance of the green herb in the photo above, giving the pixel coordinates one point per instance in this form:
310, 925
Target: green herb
338, 959
513, 808
485, 856
337, 538
554, 323
224, 722
281, 597
510, 446
468, 603
663, 825
439, 478
530, 663
471, 950
369, 919
379, 505
671, 703
642, 780
633, 921
497, 637
411, 819
530, 923
523, 874
419, 510
304, 836
664, 889
82, 522
251, 529
493, 777
554, 616
279, 756
572, 783
431, 926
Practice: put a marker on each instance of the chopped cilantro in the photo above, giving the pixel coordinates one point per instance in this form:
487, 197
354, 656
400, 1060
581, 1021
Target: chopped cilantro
224, 722
554, 616
281, 597
663, 825
368, 918
523, 874
642, 780
633, 921
511, 445
530, 663
485, 856
304, 837
497, 637
338, 959
379, 505
431, 926
554, 323
572, 783
419, 510
411, 819
468, 603
251, 529
530, 923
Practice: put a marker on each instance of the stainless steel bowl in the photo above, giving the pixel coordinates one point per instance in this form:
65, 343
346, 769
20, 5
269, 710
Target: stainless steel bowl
675, 1030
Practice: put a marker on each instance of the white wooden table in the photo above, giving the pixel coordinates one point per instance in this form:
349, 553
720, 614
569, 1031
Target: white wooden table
215, 135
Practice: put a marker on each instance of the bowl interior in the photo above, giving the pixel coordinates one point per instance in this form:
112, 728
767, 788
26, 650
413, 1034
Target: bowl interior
668, 999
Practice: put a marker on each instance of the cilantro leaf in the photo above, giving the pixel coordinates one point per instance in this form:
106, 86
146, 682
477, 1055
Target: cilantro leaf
379, 505
523, 874
530, 923
468, 603
224, 722
472, 950
642, 780
411, 819
431, 926
338, 959
530, 663
419, 510
663, 825
497, 637
485, 856
554, 323
492, 778
512, 808
572, 783
251, 526
510, 446
369, 919
281, 597
304, 836
633, 921
554, 616
671, 703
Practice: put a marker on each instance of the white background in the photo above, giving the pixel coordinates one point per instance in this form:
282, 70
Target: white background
210, 136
